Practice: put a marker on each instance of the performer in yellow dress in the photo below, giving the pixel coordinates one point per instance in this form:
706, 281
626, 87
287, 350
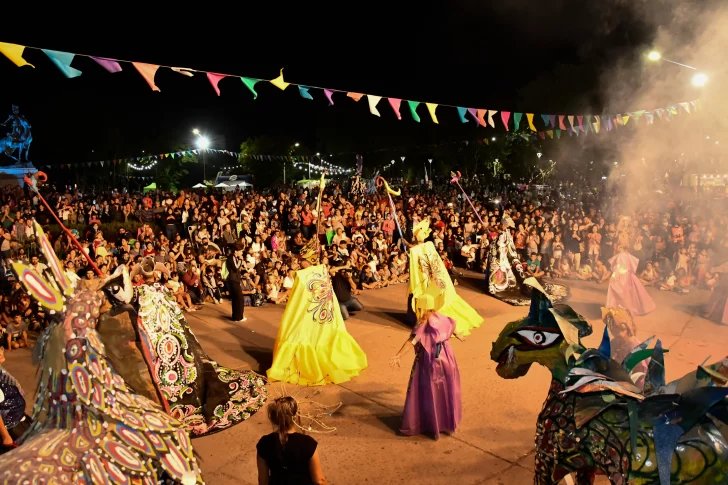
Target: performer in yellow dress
426, 269
313, 347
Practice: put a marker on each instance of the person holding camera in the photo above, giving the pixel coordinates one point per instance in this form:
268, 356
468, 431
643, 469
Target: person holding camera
345, 289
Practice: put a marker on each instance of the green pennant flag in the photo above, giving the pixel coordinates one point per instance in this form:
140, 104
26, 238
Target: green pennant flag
173, 155
413, 109
558, 134
517, 120
250, 84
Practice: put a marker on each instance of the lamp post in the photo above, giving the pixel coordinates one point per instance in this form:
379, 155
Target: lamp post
699, 79
203, 143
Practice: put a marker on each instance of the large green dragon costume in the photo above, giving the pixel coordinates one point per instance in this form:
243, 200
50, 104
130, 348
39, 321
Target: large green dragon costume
596, 421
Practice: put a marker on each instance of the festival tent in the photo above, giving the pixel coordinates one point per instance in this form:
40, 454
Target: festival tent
238, 183
150, 187
222, 185
199, 186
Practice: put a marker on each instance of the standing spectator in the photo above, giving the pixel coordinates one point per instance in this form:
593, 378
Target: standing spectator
235, 265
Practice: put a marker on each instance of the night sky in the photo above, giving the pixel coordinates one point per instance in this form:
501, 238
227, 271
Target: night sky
540, 57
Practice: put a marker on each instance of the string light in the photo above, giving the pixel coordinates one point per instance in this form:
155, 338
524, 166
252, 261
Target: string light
142, 167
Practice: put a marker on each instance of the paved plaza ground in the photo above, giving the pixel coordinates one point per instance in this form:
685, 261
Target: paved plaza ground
494, 444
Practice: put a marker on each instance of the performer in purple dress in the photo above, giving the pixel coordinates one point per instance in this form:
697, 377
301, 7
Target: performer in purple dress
433, 403
625, 289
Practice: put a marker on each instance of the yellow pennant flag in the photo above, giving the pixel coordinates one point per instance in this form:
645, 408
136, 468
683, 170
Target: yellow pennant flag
529, 116
625, 119
597, 124
550, 134
373, 100
431, 107
14, 52
279, 82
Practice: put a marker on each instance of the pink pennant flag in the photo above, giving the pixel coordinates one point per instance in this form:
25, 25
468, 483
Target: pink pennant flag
214, 80
147, 71
108, 64
505, 116
394, 103
580, 119
355, 96
481, 119
490, 117
542, 135
474, 113
328, 94
561, 123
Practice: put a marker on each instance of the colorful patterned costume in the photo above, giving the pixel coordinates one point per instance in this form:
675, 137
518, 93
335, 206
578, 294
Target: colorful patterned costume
89, 426
205, 396
313, 347
504, 273
426, 269
596, 421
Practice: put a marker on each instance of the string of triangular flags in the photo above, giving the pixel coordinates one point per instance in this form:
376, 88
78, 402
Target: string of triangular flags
305, 162
145, 161
554, 124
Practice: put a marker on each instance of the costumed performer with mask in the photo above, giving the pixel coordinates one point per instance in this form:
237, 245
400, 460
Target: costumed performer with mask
313, 347
504, 273
426, 269
433, 403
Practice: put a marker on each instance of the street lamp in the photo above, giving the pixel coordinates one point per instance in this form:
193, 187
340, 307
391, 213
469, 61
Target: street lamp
700, 80
196, 132
203, 143
492, 139
297, 145
655, 56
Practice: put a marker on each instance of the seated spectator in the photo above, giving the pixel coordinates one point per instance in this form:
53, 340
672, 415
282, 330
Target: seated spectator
345, 289
534, 265
178, 291
192, 283
601, 272
367, 280
649, 276
16, 333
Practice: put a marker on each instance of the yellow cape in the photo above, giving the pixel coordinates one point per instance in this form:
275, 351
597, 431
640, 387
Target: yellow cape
427, 268
313, 347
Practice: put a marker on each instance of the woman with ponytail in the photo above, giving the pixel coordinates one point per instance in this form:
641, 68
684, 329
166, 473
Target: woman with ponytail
286, 456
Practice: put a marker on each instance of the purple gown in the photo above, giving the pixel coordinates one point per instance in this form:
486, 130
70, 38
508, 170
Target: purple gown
625, 289
433, 403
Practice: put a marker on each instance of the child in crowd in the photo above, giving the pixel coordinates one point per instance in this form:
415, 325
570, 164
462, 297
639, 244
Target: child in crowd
210, 285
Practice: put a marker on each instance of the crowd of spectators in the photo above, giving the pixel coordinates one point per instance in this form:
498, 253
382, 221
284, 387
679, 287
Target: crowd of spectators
561, 233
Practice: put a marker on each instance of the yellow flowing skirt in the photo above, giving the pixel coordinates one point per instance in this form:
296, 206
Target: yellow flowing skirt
427, 268
313, 347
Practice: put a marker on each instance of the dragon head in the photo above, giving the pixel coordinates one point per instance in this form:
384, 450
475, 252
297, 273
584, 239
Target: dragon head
544, 336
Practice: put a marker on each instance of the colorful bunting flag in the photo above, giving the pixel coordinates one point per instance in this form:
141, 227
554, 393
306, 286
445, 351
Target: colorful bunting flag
561, 122
529, 117
625, 119
550, 134
63, 60
215, 80
373, 101
490, 117
481, 117
413, 109
14, 52
505, 116
303, 91
180, 70
462, 112
552, 121
558, 134
580, 119
517, 120
542, 135
250, 84
109, 64
545, 119
279, 82
394, 103
431, 107
147, 71
597, 124
355, 96
571, 122
328, 93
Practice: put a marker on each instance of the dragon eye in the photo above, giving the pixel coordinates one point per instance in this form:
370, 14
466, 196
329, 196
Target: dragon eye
538, 338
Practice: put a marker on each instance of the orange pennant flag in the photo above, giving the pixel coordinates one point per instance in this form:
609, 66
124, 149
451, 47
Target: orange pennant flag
431, 107
214, 80
355, 96
147, 71
279, 82
481, 114
529, 116
373, 100
14, 52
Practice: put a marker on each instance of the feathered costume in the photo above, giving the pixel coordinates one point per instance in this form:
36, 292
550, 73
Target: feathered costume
504, 273
89, 426
427, 269
313, 347
170, 366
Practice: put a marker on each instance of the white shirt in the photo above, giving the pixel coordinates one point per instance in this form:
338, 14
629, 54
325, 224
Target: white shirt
73, 278
287, 283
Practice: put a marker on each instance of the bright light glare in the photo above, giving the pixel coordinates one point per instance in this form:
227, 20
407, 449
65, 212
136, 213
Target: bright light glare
492, 139
318, 154
196, 132
700, 80
654, 56
203, 143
